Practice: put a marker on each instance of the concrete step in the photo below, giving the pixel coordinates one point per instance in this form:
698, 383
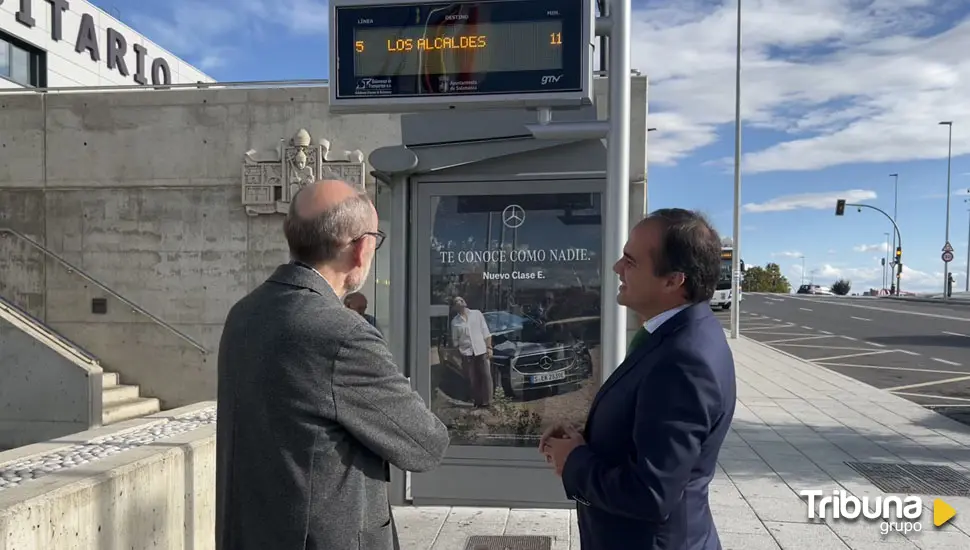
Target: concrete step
126, 410
118, 393
109, 379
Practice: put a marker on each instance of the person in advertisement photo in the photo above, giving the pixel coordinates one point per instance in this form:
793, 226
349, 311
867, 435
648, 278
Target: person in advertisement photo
519, 347
469, 332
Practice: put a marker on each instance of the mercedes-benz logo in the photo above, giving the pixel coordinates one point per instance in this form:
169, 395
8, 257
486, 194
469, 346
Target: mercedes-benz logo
545, 363
513, 216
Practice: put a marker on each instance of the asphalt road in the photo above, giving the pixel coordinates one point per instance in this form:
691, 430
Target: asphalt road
919, 351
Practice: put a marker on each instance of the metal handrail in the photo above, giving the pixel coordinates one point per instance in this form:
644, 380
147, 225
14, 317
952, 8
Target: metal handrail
49, 253
256, 84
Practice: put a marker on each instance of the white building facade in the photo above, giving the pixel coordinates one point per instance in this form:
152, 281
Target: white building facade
68, 43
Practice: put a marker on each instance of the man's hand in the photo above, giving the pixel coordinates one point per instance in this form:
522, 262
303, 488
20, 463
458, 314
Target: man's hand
556, 430
557, 449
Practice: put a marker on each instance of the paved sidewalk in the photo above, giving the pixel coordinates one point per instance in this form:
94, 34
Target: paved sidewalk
796, 425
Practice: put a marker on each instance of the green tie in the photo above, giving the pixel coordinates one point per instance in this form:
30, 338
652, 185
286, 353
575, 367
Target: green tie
638, 338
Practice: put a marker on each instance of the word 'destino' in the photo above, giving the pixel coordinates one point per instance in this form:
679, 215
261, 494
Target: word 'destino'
841, 505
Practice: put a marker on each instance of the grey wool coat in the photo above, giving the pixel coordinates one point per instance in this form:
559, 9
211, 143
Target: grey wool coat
311, 411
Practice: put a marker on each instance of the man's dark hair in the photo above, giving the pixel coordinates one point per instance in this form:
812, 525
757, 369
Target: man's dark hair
688, 245
318, 239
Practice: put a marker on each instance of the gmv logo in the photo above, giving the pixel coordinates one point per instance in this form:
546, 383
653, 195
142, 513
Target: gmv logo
550, 79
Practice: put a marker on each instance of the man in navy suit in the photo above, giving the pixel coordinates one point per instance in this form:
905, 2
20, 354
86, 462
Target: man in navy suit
639, 471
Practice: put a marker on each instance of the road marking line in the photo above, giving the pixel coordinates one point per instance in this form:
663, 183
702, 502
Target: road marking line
767, 327
849, 338
878, 367
907, 352
860, 319
945, 362
877, 345
766, 333
825, 332
931, 383
950, 405
904, 312
955, 334
807, 328
931, 396
804, 309
822, 347
877, 352
814, 337
777, 320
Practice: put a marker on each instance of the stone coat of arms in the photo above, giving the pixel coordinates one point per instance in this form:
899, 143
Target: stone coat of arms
270, 181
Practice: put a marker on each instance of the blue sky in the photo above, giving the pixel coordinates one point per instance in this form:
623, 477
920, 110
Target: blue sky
837, 95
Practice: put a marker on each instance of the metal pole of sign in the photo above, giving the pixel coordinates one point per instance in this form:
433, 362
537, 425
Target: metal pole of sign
736, 257
949, 155
617, 184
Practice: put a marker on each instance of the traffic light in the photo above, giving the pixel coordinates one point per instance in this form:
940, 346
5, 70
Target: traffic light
840, 207
899, 253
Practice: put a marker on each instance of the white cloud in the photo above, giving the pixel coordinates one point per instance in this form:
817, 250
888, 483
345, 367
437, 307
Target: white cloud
848, 81
207, 33
815, 201
787, 254
881, 247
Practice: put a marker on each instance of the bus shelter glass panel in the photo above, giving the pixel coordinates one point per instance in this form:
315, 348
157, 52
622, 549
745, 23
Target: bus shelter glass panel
514, 313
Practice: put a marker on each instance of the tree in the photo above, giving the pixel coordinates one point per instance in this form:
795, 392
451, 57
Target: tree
841, 287
766, 279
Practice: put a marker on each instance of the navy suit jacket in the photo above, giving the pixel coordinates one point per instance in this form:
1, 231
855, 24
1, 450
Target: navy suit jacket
653, 435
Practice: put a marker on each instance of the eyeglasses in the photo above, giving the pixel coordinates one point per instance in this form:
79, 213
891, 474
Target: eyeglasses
378, 235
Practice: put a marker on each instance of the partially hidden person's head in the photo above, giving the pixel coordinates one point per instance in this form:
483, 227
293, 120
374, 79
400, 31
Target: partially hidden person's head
356, 301
460, 304
333, 227
672, 258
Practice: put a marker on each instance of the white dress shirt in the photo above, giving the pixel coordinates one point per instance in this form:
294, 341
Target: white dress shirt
470, 334
654, 322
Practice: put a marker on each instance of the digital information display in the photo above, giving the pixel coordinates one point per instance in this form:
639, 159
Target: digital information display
408, 56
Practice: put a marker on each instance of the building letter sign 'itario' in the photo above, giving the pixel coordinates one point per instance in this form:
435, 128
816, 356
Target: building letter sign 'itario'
128, 59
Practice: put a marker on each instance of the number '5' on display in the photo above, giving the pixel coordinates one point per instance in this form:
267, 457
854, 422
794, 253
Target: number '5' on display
359, 46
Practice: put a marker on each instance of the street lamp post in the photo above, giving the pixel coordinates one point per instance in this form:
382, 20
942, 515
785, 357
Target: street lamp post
736, 256
803, 268
949, 156
895, 203
966, 283
886, 259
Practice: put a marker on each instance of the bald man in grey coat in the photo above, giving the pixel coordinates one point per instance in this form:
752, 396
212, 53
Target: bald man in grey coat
312, 409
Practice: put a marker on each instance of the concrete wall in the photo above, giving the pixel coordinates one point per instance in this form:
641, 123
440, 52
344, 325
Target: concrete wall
48, 388
142, 192
67, 67
159, 496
